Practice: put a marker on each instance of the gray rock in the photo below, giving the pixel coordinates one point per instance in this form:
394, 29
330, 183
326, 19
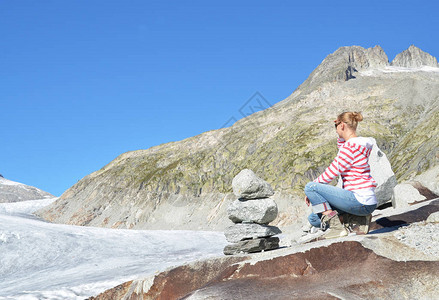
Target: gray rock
251, 246
384, 191
248, 185
261, 211
430, 179
381, 171
433, 218
406, 194
414, 57
244, 231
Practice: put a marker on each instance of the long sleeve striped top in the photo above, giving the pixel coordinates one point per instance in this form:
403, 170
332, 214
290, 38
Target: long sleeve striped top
352, 163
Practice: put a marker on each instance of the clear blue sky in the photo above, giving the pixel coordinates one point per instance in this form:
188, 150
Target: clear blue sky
84, 81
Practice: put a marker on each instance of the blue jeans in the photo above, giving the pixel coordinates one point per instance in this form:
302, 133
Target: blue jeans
324, 197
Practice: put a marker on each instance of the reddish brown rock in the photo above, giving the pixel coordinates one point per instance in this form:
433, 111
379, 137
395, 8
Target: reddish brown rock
177, 282
341, 270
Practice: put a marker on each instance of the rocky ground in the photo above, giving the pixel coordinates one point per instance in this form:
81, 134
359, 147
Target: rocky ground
398, 259
421, 236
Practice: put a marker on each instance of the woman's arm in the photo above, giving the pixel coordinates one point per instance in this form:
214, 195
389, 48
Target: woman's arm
342, 162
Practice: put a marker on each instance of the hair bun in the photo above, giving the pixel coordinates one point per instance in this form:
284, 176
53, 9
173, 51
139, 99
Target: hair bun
357, 116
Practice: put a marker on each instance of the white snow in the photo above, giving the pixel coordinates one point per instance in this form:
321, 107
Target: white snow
40, 260
392, 69
5, 181
24, 207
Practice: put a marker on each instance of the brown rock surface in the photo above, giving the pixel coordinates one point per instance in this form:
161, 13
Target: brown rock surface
343, 270
177, 282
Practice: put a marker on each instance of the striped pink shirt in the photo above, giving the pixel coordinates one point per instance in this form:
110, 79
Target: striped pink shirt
352, 163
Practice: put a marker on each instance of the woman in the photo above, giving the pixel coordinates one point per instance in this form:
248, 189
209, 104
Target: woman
356, 200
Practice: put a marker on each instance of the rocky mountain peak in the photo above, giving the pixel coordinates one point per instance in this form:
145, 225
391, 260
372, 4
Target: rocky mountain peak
414, 57
344, 63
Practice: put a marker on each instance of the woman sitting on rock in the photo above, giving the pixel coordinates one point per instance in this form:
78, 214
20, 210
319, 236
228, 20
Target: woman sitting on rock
356, 200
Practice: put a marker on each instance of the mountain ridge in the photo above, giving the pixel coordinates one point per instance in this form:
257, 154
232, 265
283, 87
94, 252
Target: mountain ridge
187, 184
11, 191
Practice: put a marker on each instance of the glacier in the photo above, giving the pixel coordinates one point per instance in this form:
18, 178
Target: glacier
41, 260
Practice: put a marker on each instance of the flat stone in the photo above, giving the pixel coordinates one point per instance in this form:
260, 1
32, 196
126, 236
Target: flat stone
252, 246
261, 211
247, 185
244, 231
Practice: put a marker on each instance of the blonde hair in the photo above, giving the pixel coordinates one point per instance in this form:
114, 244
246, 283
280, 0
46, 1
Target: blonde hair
351, 118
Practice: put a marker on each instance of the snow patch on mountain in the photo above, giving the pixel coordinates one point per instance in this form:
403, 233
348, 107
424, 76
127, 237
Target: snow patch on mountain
393, 69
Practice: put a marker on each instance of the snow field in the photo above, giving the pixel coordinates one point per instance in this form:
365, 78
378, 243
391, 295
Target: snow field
41, 260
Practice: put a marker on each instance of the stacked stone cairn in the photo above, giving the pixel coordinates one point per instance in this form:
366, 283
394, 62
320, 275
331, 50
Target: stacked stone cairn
251, 213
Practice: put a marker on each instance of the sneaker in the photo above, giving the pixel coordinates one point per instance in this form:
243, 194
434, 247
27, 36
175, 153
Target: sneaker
306, 228
314, 230
336, 229
309, 229
313, 235
357, 224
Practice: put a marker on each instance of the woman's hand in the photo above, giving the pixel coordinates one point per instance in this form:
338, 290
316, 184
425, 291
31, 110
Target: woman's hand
307, 201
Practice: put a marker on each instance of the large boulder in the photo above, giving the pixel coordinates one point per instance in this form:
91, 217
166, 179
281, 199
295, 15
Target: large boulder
247, 185
245, 231
430, 179
261, 211
405, 195
381, 171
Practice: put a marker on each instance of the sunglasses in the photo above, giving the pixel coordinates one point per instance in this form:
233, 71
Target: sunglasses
336, 124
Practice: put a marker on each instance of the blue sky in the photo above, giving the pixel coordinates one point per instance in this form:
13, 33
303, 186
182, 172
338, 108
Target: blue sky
84, 81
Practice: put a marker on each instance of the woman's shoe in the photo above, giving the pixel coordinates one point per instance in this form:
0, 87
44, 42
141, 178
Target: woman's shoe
357, 224
336, 228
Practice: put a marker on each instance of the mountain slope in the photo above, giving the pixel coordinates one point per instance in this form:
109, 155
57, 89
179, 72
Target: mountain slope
187, 184
11, 191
